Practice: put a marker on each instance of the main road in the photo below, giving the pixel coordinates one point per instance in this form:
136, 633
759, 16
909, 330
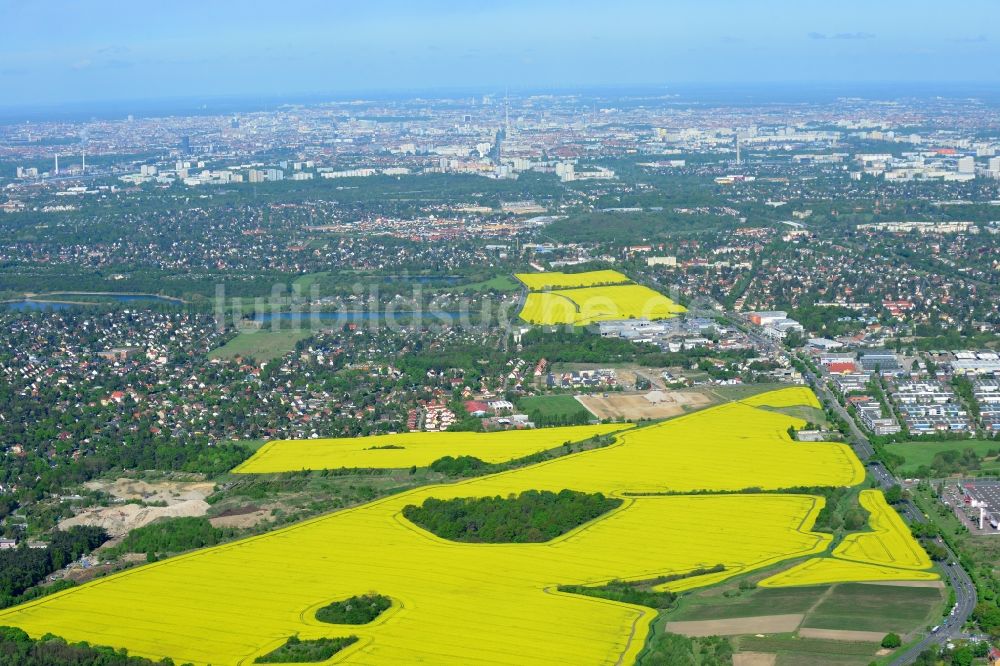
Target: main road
965, 590
961, 583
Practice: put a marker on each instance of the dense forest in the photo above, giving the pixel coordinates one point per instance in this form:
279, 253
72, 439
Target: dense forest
23, 567
531, 517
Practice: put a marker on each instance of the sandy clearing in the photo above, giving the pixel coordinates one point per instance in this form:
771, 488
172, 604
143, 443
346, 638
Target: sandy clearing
754, 659
759, 624
242, 520
123, 518
908, 583
170, 492
654, 404
843, 635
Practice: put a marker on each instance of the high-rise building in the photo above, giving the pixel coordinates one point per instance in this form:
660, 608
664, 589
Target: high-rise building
185, 145
967, 164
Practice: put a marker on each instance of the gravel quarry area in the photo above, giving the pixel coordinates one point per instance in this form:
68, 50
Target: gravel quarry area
182, 499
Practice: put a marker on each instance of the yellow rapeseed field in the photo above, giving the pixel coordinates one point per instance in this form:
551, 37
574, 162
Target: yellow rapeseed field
549, 309
789, 397
418, 448
556, 280
458, 603
888, 552
827, 570
592, 304
890, 541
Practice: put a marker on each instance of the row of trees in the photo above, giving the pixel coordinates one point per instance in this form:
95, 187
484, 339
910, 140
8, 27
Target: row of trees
640, 592
19, 649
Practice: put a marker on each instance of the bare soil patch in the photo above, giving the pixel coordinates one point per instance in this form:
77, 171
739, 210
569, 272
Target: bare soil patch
843, 635
123, 518
760, 624
170, 492
242, 520
182, 499
655, 404
754, 659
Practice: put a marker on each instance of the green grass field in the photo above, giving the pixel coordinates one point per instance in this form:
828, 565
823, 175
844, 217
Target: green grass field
821, 659
501, 283
786, 643
760, 601
262, 345
551, 405
804, 412
922, 453
305, 282
792, 650
846, 606
252, 444
882, 608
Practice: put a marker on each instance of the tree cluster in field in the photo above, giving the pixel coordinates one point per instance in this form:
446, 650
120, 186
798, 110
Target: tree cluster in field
839, 511
676, 650
640, 592
460, 466
19, 649
23, 567
296, 650
531, 517
356, 610
173, 535
951, 461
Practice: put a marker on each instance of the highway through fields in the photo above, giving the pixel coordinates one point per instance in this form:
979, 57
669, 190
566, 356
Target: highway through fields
961, 583
965, 590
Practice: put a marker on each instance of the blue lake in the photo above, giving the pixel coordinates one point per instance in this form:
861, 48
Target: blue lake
354, 316
28, 304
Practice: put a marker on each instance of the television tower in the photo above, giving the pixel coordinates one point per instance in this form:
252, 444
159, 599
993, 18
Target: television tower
56, 171
506, 110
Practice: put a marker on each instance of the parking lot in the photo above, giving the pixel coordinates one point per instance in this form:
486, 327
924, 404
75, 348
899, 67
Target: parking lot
969, 496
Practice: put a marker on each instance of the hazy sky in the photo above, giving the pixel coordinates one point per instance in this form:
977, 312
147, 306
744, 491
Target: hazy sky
63, 50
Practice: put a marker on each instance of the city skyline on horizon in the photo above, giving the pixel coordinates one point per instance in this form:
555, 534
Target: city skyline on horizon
101, 52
